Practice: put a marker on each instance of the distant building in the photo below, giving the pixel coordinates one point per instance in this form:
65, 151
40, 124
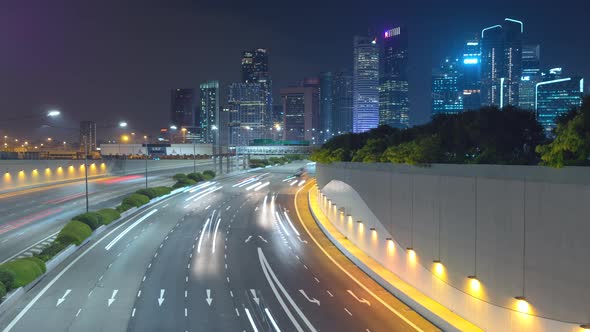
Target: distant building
531, 75
555, 98
326, 107
342, 83
182, 107
209, 112
501, 47
471, 75
394, 104
447, 94
301, 109
247, 104
255, 69
88, 135
365, 108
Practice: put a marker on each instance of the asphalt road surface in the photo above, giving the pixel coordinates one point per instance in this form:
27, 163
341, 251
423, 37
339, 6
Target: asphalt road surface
230, 255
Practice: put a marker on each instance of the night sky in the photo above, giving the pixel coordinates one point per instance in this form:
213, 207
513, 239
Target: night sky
115, 60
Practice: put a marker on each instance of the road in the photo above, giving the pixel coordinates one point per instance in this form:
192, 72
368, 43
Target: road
225, 257
29, 216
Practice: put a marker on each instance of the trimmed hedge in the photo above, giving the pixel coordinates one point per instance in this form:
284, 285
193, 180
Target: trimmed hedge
51, 250
74, 232
208, 175
196, 176
7, 278
184, 183
2, 291
108, 215
25, 270
136, 200
92, 219
161, 191
180, 177
123, 207
154, 192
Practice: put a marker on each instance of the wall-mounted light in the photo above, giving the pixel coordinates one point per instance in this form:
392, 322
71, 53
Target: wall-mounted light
474, 283
389, 239
522, 305
586, 327
359, 221
372, 229
439, 269
411, 254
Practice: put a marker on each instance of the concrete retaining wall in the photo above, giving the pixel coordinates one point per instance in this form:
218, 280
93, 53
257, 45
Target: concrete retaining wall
520, 230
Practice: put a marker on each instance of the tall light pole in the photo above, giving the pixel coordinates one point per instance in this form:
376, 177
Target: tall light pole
86, 168
146, 161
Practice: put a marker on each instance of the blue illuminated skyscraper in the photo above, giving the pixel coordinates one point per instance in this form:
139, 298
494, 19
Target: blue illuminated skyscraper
555, 98
447, 94
365, 109
394, 104
471, 75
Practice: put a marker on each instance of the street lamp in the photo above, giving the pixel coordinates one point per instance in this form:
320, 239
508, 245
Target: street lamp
53, 113
146, 161
122, 124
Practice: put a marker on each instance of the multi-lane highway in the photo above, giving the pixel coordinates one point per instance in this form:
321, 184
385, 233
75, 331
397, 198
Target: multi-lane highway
28, 217
226, 256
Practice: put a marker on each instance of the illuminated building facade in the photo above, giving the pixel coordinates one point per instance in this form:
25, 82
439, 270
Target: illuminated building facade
182, 107
247, 106
209, 111
447, 94
471, 75
531, 75
301, 112
365, 108
394, 104
555, 98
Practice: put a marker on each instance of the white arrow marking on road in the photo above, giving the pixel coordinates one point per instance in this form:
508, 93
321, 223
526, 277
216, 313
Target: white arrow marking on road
256, 299
248, 239
262, 239
312, 300
161, 298
302, 241
63, 298
112, 299
360, 300
209, 299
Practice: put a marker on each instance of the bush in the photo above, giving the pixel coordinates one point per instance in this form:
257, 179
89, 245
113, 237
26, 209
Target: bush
180, 177
7, 278
161, 191
187, 182
149, 192
123, 207
196, 176
2, 291
51, 250
108, 215
26, 269
136, 200
74, 232
92, 219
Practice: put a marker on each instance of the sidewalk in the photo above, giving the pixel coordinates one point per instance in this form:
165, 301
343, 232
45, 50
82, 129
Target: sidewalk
426, 306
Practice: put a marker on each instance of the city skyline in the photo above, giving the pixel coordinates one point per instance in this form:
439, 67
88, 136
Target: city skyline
144, 102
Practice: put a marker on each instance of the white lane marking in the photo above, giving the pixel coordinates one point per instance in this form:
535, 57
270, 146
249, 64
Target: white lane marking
63, 298
231, 293
120, 236
253, 186
358, 299
161, 298
237, 312
112, 299
208, 298
26, 249
291, 224
262, 186
329, 293
375, 296
292, 183
150, 266
270, 277
78, 313
317, 280
208, 206
302, 241
272, 320
100, 278
312, 300
143, 279
139, 293
185, 312
262, 239
133, 313
305, 266
185, 293
227, 279
278, 218
201, 235
215, 234
348, 312
251, 320
165, 206
90, 293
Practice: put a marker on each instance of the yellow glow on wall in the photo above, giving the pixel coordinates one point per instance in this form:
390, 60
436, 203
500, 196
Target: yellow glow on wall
60, 171
71, 170
7, 177
35, 172
361, 228
374, 234
439, 270
82, 167
522, 306
21, 175
390, 246
475, 287
103, 166
48, 171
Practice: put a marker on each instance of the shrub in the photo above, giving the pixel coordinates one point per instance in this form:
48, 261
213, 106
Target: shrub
25, 269
51, 250
180, 177
149, 192
123, 207
161, 191
74, 232
7, 278
2, 290
208, 175
92, 219
108, 215
136, 200
196, 176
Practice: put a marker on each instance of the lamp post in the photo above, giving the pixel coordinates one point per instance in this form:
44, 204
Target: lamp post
146, 161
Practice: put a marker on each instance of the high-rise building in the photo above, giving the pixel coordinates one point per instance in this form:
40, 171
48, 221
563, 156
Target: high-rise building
301, 109
447, 94
502, 63
365, 108
209, 112
471, 75
255, 69
555, 98
182, 108
247, 106
326, 106
531, 75
394, 104
342, 102
88, 135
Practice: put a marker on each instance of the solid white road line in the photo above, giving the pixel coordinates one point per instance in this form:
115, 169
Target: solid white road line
348, 312
251, 320
215, 235
281, 223
120, 236
272, 320
290, 223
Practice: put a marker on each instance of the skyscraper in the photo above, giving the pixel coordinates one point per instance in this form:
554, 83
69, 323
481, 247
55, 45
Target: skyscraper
394, 105
365, 109
301, 109
471, 75
531, 75
182, 107
88, 135
502, 63
342, 102
555, 98
248, 112
255, 69
209, 112
447, 94
326, 106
